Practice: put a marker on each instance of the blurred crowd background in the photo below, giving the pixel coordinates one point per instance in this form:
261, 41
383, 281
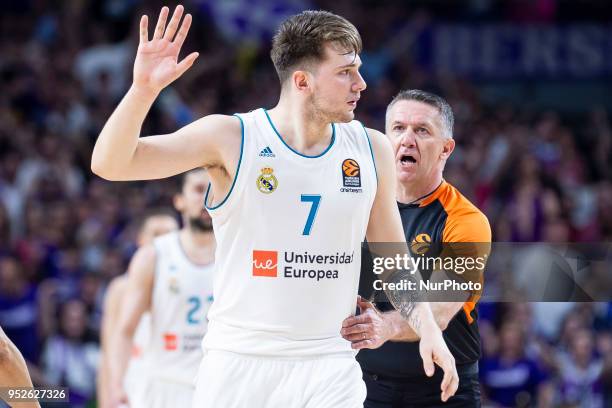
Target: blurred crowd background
528, 82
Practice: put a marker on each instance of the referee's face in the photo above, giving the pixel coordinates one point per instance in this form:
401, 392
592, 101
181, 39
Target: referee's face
420, 146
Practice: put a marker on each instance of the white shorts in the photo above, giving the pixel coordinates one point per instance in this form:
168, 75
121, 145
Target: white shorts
157, 393
232, 380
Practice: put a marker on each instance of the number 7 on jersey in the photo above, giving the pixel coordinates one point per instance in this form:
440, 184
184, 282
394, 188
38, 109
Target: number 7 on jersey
315, 200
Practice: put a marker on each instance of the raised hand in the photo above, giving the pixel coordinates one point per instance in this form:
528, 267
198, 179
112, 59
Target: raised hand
156, 64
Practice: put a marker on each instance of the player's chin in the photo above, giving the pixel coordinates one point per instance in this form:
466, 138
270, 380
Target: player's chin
345, 117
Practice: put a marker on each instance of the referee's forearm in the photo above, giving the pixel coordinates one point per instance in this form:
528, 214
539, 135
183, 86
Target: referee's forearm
443, 313
399, 327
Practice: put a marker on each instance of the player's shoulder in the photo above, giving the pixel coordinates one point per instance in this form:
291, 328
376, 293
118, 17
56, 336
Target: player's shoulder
380, 145
165, 239
228, 125
116, 286
143, 260
378, 139
371, 133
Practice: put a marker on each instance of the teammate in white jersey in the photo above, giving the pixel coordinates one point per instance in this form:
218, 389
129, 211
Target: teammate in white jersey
171, 278
155, 223
294, 190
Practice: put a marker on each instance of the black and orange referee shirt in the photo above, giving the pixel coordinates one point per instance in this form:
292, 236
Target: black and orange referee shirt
445, 216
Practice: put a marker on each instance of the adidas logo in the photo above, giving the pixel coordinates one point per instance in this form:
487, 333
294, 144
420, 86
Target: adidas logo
266, 152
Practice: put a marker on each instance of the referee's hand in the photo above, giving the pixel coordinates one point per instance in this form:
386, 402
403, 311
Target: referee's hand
433, 349
366, 330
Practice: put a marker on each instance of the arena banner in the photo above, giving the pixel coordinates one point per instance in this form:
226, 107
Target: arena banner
512, 51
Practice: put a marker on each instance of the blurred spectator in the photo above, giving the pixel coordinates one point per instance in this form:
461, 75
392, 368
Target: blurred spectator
509, 377
579, 372
70, 357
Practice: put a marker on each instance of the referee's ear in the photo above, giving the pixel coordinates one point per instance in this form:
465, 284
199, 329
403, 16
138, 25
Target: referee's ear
447, 149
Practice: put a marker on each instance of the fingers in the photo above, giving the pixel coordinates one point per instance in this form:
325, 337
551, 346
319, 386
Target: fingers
174, 23
365, 305
186, 63
428, 364
451, 389
359, 319
446, 382
355, 337
161, 23
182, 34
356, 328
364, 344
450, 382
144, 30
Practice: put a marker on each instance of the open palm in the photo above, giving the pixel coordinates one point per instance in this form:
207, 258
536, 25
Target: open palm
156, 64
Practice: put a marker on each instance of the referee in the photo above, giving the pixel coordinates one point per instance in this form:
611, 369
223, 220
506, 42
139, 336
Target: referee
420, 127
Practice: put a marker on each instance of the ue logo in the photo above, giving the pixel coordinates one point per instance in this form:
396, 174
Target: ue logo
265, 263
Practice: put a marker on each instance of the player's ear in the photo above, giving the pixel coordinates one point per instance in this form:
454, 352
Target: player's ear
447, 149
301, 80
179, 202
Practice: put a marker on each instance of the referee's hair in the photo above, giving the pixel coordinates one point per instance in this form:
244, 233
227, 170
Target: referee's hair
446, 112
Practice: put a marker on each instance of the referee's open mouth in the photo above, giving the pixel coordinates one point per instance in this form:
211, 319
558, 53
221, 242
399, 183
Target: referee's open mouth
407, 160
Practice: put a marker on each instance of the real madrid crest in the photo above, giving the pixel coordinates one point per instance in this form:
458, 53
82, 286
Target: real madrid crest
173, 285
267, 182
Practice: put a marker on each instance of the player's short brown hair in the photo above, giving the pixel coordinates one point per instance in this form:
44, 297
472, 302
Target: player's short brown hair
301, 40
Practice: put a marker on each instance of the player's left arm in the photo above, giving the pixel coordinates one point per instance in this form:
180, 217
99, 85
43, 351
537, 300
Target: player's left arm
385, 226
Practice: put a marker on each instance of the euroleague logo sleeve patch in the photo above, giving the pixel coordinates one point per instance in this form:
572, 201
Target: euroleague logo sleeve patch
351, 173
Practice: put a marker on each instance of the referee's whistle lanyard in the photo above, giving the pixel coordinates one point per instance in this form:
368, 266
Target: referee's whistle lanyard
426, 195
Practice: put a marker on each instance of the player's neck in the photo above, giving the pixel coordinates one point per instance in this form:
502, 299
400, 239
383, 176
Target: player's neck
414, 193
199, 246
301, 128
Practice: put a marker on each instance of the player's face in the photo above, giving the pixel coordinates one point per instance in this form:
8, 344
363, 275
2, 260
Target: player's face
337, 85
191, 200
420, 146
155, 226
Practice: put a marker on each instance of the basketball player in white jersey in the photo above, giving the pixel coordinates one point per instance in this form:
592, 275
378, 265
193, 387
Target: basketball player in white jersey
171, 278
294, 190
155, 223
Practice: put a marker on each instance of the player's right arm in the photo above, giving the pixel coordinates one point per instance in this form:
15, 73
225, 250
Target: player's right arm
385, 226
119, 152
136, 300
13, 369
111, 307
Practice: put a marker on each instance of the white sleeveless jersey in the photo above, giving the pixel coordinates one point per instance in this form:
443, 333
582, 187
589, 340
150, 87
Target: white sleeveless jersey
182, 295
289, 235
